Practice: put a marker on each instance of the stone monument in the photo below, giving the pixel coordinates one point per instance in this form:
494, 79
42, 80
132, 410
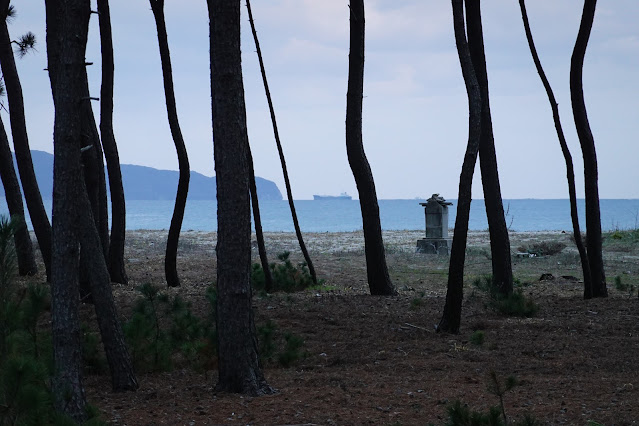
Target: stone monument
436, 241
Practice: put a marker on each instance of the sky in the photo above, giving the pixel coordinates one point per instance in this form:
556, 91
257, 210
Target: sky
415, 123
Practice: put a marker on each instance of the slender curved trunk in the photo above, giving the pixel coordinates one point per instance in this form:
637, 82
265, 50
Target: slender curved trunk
587, 142
259, 235
170, 260
95, 187
451, 318
93, 162
239, 364
289, 192
379, 281
24, 248
499, 239
118, 358
570, 171
115, 259
37, 212
67, 28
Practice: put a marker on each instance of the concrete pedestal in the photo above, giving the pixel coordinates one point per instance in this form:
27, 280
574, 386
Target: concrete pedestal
434, 246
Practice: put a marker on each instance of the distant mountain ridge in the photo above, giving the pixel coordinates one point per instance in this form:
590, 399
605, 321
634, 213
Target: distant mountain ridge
147, 183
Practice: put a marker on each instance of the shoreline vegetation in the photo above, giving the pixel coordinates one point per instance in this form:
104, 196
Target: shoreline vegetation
337, 355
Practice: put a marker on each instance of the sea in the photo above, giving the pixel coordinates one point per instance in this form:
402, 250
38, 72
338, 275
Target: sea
523, 215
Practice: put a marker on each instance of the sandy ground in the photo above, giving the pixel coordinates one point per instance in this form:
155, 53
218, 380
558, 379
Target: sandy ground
378, 360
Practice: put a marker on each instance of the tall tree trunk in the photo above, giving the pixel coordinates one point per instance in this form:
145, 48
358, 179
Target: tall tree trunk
587, 142
95, 185
499, 240
67, 28
24, 248
379, 281
170, 260
570, 171
115, 259
239, 365
93, 162
38, 214
451, 318
289, 192
120, 363
259, 235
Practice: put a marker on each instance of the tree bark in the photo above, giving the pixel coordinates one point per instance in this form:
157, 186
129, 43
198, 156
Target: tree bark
259, 235
499, 239
93, 167
13, 194
570, 171
379, 281
451, 318
115, 259
38, 214
120, 363
289, 192
170, 260
587, 142
239, 365
67, 28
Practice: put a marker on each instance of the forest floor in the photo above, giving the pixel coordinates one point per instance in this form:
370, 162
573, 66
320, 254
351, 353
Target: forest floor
378, 360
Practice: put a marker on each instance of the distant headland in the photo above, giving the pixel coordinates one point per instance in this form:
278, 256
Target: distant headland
147, 183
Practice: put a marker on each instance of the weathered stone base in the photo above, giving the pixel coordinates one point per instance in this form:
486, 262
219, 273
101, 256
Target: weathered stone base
434, 246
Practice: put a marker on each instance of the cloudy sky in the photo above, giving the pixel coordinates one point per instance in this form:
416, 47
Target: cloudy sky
415, 107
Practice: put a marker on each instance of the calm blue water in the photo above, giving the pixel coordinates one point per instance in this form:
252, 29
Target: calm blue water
344, 215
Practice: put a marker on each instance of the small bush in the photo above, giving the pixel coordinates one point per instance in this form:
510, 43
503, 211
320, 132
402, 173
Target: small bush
285, 349
416, 302
162, 327
621, 286
477, 338
292, 350
461, 415
543, 248
515, 304
286, 276
266, 337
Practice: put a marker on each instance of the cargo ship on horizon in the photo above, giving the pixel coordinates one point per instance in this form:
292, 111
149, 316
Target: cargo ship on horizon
342, 196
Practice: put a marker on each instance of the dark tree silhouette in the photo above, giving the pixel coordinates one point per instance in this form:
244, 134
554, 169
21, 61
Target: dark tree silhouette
74, 225
587, 141
451, 318
93, 167
67, 28
570, 171
115, 258
259, 235
38, 214
120, 363
239, 365
379, 281
289, 192
499, 240
170, 260
13, 194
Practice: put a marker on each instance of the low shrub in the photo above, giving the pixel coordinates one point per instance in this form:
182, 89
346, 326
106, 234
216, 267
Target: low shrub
543, 248
284, 348
287, 277
163, 327
514, 304
477, 338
